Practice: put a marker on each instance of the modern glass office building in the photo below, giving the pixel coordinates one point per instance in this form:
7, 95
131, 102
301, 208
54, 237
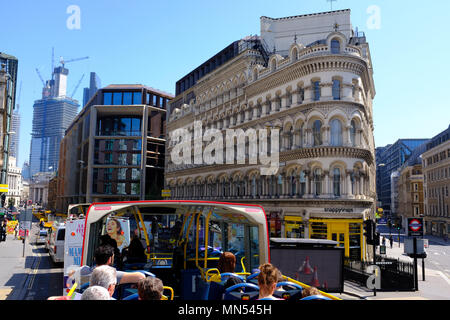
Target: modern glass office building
51, 117
389, 159
115, 148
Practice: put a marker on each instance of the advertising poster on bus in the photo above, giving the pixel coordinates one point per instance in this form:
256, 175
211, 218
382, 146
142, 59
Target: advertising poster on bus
73, 246
119, 230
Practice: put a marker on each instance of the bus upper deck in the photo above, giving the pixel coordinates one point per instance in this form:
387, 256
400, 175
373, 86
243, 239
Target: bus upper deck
183, 240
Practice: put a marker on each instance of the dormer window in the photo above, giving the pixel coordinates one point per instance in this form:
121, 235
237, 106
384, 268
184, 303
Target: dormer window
335, 46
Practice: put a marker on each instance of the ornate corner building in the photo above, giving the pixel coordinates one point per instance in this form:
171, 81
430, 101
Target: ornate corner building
310, 76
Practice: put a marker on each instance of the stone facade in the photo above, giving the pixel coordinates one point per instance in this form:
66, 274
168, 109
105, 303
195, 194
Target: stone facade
319, 95
436, 170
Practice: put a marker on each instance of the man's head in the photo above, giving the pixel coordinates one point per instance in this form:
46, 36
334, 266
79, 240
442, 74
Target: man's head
150, 288
104, 254
95, 293
104, 276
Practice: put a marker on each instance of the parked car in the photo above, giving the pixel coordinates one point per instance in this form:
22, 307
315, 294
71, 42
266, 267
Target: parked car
41, 236
56, 242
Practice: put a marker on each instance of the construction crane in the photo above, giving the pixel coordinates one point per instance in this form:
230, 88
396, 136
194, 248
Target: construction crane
40, 77
76, 87
61, 60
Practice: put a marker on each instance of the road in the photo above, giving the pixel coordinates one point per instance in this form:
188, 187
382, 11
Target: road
437, 264
29, 276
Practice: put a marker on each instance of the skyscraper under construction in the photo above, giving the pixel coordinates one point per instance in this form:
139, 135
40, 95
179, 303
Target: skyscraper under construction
52, 115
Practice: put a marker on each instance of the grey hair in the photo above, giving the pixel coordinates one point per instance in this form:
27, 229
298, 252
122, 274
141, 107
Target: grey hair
95, 293
103, 276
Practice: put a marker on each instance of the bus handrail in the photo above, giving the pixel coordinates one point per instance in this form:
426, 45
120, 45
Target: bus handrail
306, 286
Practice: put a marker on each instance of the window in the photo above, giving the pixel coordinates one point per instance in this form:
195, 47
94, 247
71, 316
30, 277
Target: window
117, 98
122, 173
121, 188
336, 89
137, 98
336, 133
335, 46
317, 134
316, 89
301, 95
317, 181
127, 98
353, 133
337, 182
107, 98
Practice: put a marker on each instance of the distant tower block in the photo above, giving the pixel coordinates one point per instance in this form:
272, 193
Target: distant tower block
315, 279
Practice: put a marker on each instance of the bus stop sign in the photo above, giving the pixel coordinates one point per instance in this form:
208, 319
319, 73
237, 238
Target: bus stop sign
415, 227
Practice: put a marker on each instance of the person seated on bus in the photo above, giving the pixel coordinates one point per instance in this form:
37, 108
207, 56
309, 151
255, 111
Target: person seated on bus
118, 256
104, 255
104, 276
135, 252
268, 278
227, 264
150, 288
310, 291
96, 293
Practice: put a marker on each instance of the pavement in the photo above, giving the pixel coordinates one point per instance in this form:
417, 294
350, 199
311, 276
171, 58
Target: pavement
435, 287
18, 265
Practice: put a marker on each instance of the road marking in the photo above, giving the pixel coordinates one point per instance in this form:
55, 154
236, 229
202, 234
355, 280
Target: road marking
444, 276
35, 271
4, 292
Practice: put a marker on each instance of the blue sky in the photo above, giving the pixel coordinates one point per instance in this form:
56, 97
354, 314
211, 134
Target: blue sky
157, 42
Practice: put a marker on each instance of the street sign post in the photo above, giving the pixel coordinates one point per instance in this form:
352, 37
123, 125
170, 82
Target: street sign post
415, 229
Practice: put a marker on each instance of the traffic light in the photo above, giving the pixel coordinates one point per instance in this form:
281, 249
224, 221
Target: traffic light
3, 199
376, 240
368, 231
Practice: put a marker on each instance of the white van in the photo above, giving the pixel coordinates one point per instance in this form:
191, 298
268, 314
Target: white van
56, 244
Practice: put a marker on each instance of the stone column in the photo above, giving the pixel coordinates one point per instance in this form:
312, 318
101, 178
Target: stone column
349, 183
327, 183
283, 102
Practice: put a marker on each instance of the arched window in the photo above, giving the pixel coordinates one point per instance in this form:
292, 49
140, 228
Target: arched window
335, 46
353, 133
317, 181
317, 133
293, 184
337, 182
336, 133
336, 89
291, 138
316, 90
253, 186
301, 95
302, 180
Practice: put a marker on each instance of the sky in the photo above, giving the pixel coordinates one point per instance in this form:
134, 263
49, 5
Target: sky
156, 43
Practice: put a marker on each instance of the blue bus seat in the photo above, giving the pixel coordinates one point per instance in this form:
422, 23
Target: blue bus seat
291, 291
242, 291
316, 297
133, 296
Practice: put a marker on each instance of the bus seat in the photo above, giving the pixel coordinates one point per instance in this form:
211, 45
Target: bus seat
316, 297
242, 291
253, 278
291, 291
133, 296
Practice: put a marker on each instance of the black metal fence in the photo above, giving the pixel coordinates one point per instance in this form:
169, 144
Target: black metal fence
395, 275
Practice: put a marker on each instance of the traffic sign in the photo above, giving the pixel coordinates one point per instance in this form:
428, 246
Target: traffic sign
4, 188
415, 227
